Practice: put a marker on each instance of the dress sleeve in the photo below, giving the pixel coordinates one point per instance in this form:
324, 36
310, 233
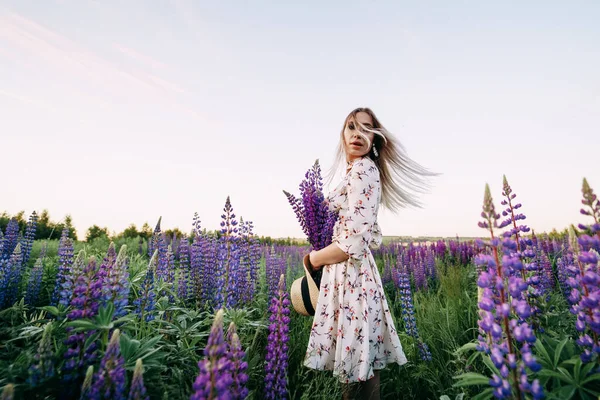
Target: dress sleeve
358, 219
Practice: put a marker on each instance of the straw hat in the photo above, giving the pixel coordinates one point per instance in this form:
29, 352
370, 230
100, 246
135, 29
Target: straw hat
305, 291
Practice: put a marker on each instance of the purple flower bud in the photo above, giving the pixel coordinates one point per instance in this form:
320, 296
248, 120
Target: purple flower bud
522, 308
486, 304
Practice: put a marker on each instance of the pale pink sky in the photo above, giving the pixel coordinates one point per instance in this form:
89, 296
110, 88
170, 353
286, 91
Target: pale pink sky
120, 112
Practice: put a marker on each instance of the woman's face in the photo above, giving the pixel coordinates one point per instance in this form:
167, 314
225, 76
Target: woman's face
355, 141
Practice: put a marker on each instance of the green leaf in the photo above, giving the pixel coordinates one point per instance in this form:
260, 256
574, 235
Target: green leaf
586, 369
542, 352
51, 310
484, 395
567, 376
584, 391
552, 374
467, 347
558, 351
591, 378
471, 378
565, 392
81, 324
488, 363
577, 370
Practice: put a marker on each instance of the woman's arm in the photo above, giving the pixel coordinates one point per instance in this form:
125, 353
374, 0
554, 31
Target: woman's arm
331, 254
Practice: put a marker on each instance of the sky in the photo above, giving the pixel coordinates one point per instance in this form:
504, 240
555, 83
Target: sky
119, 112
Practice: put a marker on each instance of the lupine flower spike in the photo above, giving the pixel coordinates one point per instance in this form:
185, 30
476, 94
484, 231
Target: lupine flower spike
585, 297
277, 348
214, 380
109, 381
235, 353
504, 335
138, 390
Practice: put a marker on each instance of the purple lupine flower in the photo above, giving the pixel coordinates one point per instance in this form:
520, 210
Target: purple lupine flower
277, 347
34, 283
138, 390
430, 270
43, 364
210, 270
214, 380
585, 296
245, 285
440, 249
274, 268
236, 354
418, 268
408, 310
591, 201
184, 285
106, 268
115, 282
146, 299
228, 258
158, 243
11, 238
169, 273
196, 263
153, 242
219, 271
311, 209
64, 279
87, 295
10, 277
254, 260
504, 335
387, 270
29, 237
109, 381
235, 278
547, 282
424, 352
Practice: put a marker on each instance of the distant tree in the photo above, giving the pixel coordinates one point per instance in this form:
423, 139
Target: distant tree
43, 226
19, 217
69, 225
94, 232
146, 231
176, 231
130, 232
46, 228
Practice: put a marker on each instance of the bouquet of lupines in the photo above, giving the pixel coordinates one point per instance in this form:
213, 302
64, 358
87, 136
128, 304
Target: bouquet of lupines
311, 209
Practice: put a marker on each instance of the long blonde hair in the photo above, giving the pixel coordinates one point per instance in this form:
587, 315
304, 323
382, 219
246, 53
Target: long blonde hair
401, 177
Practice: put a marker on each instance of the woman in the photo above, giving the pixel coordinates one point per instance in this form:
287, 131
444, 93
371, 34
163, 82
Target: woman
353, 331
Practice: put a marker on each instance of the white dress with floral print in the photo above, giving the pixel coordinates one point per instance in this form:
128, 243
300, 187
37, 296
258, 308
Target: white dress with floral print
353, 331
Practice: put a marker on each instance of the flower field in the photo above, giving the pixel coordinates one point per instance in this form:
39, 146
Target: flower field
514, 314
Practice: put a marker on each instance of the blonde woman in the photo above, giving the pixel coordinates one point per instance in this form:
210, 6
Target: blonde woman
353, 332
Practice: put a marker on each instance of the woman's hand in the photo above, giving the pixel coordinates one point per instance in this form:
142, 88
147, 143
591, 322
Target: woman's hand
331, 254
312, 263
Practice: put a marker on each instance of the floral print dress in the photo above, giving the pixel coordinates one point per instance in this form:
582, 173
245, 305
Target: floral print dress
353, 330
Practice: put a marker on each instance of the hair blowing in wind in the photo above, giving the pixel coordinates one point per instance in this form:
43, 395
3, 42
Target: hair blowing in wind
402, 178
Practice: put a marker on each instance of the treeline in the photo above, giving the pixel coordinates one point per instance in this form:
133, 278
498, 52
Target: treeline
49, 229
46, 228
